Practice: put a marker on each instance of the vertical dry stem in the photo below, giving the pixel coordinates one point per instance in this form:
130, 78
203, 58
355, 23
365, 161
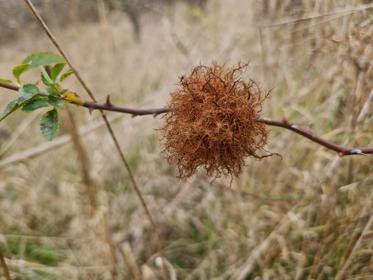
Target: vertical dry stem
91, 189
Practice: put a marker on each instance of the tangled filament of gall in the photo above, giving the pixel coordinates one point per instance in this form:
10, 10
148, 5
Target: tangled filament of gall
212, 122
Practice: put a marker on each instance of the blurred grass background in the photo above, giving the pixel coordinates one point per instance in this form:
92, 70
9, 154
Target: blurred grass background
305, 216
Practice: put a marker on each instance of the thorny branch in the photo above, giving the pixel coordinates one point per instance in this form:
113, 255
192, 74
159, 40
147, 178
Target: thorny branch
108, 106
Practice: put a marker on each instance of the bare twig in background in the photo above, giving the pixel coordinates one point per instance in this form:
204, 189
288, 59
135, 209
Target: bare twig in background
49, 146
341, 273
17, 133
113, 50
170, 25
130, 261
58, 270
363, 234
338, 13
108, 125
244, 271
4, 267
365, 110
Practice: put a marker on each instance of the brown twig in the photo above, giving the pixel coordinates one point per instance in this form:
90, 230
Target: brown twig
134, 112
5, 267
8, 86
341, 150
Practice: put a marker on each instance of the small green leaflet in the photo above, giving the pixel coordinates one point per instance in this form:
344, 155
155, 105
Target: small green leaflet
49, 124
36, 103
52, 91
6, 81
56, 102
66, 75
19, 69
29, 89
42, 101
36, 60
56, 70
10, 108
45, 78
42, 59
28, 92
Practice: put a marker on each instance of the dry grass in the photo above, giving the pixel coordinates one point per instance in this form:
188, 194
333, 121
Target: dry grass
307, 216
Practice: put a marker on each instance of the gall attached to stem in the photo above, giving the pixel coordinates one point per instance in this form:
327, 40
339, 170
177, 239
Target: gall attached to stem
212, 122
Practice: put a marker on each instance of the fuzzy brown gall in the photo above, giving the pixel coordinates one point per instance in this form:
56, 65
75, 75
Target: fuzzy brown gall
212, 122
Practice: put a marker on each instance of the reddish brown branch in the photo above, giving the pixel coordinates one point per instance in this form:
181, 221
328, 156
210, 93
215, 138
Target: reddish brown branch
341, 150
108, 106
134, 112
8, 86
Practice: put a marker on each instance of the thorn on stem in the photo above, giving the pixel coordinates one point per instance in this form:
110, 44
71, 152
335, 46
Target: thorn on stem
357, 152
108, 101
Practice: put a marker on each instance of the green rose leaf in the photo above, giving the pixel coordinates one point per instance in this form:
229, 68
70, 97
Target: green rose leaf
51, 91
56, 70
36, 60
45, 78
35, 104
27, 91
56, 102
10, 108
42, 59
49, 124
19, 69
6, 81
66, 75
